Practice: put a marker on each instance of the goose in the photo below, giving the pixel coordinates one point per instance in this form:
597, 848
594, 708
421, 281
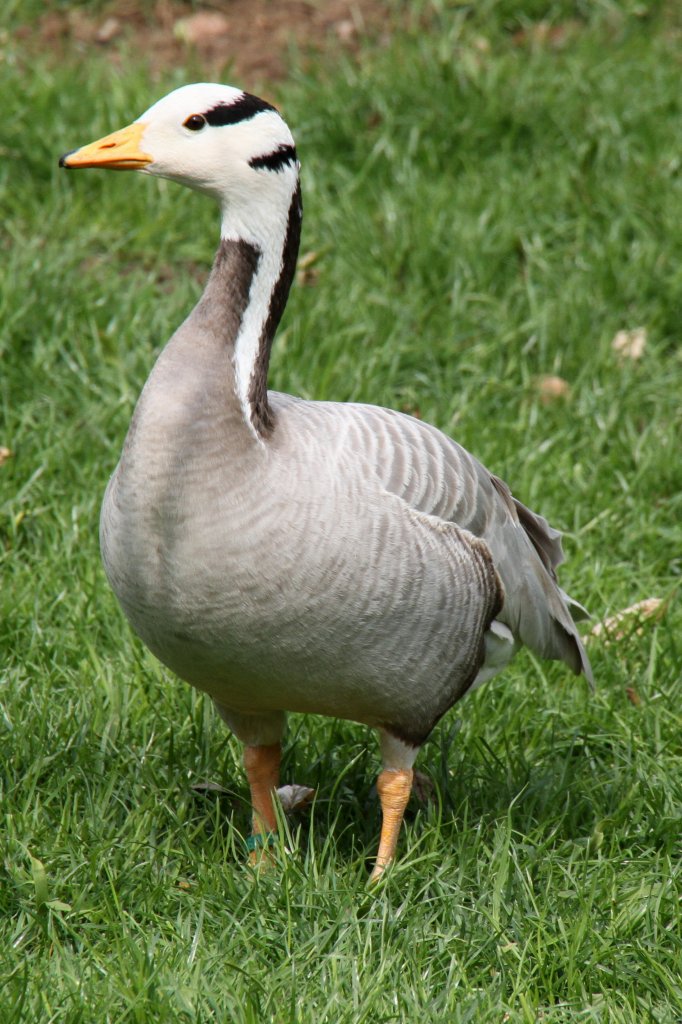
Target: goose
285, 555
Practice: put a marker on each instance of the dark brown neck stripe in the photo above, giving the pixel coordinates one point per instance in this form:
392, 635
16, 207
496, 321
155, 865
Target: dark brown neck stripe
226, 295
261, 414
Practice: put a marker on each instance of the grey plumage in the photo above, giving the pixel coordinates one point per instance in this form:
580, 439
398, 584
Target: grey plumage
286, 555
351, 566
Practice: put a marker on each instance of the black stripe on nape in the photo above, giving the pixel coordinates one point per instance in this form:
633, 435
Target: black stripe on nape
261, 413
281, 157
243, 109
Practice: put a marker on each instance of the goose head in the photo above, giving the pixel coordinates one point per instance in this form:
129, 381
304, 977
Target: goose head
215, 139
237, 149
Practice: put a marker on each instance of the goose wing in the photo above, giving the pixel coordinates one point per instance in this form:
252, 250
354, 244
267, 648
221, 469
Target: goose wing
437, 477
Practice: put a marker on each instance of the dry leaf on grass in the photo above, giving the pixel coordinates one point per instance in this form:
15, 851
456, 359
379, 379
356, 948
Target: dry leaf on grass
629, 344
551, 388
307, 273
201, 27
307, 259
208, 787
546, 33
293, 797
110, 29
346, 30
629, 620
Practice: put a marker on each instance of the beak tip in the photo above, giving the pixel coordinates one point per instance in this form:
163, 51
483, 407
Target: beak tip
64, 158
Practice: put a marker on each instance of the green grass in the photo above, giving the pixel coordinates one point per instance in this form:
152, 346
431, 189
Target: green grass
485, 212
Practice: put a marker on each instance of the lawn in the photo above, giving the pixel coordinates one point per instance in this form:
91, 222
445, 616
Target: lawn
492, 192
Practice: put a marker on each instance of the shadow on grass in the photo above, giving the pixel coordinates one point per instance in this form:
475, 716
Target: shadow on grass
575, 782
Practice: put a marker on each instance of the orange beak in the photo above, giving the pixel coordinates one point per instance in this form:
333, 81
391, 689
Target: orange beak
119, 151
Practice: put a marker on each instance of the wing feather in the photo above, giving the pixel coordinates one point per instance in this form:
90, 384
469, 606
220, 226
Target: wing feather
437, 476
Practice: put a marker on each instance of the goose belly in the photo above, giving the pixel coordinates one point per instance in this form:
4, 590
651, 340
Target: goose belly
322, 609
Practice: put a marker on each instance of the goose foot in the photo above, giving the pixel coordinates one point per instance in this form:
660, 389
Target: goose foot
262, 772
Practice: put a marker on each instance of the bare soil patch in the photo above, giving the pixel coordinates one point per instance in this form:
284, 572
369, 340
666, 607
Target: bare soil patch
251, 40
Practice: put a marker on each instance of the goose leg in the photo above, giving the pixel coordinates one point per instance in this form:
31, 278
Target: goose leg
394, 786
262, 771
262, 739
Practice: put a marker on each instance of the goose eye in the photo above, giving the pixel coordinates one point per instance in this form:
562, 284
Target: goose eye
195, 122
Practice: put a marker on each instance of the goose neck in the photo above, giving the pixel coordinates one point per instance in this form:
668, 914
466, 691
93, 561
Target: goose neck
254, 270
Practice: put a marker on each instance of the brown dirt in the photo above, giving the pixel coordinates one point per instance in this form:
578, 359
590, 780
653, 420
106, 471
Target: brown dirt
249, 39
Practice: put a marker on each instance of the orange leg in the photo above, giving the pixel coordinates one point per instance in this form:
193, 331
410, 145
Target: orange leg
394, 786
262, 771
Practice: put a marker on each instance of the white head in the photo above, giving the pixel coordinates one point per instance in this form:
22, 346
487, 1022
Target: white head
237, 149
213, 138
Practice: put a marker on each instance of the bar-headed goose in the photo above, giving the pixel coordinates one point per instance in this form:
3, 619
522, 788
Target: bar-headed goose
286, 555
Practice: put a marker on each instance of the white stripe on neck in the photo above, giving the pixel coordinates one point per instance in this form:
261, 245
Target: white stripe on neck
267, 232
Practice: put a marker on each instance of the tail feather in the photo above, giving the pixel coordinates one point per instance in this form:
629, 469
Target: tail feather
564, 610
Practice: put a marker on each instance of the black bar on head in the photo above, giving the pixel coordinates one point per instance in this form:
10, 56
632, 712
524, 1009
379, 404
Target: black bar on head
243, 109
275, 161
